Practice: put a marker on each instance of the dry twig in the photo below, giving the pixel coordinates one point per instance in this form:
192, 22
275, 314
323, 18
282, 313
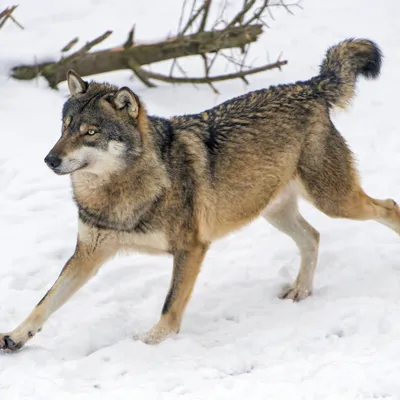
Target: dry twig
131, 38
88, 46
70, 45
6, 14
210, 79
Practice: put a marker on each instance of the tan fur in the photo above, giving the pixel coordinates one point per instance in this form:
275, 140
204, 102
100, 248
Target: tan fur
174, 186
78, 270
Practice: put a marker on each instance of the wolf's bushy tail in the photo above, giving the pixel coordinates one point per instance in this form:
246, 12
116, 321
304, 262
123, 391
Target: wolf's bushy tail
342, 65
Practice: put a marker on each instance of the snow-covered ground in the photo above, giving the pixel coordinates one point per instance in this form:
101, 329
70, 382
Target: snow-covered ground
237, 340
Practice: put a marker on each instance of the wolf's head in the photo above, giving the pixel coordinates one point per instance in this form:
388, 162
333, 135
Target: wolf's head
104, 129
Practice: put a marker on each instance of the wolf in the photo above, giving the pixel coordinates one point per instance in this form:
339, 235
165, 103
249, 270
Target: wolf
173, 186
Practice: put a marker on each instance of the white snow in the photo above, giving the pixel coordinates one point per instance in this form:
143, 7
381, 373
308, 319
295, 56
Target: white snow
237, 340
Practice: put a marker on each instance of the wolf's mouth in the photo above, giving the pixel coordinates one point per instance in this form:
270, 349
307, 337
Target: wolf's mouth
62, 171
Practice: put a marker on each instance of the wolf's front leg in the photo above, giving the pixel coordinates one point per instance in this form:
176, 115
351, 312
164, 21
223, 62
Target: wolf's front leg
84, 263
187, 266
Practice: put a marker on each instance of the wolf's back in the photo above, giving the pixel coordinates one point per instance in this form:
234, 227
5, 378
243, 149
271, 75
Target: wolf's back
342, 65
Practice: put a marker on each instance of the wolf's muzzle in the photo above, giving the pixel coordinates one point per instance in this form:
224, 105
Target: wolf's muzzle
52, 161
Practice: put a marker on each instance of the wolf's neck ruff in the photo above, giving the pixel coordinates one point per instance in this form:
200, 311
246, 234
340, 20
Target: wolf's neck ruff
122, 203
136, 223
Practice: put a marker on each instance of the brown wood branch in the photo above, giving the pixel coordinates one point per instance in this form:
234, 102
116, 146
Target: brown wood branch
241, 14
258, 14
206, 10
7, 14
183, 12
140, 74
181, 31
180, 68
69, 45
214, 58
287, 6
207, 72
191, 20
4, 12
92, 63
131, 38
220, 17
266, 7
205, 64
88, 46
211, 79
15, 21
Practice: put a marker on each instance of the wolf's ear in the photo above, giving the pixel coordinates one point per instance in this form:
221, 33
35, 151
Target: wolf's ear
126, 98
76, 84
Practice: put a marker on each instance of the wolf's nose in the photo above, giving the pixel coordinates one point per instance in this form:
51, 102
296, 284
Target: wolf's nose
52, 161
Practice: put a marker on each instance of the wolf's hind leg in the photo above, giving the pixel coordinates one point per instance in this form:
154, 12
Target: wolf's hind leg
330, 180
283, 214
357, 205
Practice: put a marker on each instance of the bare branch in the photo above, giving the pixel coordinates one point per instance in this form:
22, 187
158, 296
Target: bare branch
183, 72
15, 21
232, 60
287, 6
258, 14
266, 7
7, 14
135, 67
191, 20
69, 45
207, 72
213, 59
183, 13
221, 12
206, 10
88, 46
181, 31
239, 16
211, 79
131, 38
95, 42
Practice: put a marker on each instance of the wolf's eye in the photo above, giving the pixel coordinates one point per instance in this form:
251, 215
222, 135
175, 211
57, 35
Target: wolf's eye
91, 132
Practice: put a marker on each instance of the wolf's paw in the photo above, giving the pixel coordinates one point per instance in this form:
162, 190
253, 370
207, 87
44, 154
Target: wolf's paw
156, 335
9, 344
294, 292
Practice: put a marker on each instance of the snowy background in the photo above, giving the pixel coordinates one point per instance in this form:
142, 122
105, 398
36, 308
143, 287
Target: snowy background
237, 339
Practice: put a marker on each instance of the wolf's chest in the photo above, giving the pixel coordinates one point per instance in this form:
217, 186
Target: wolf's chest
130, 238
126, 219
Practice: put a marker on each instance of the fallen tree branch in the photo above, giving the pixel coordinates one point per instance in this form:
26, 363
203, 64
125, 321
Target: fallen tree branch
237, 32
92, 63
